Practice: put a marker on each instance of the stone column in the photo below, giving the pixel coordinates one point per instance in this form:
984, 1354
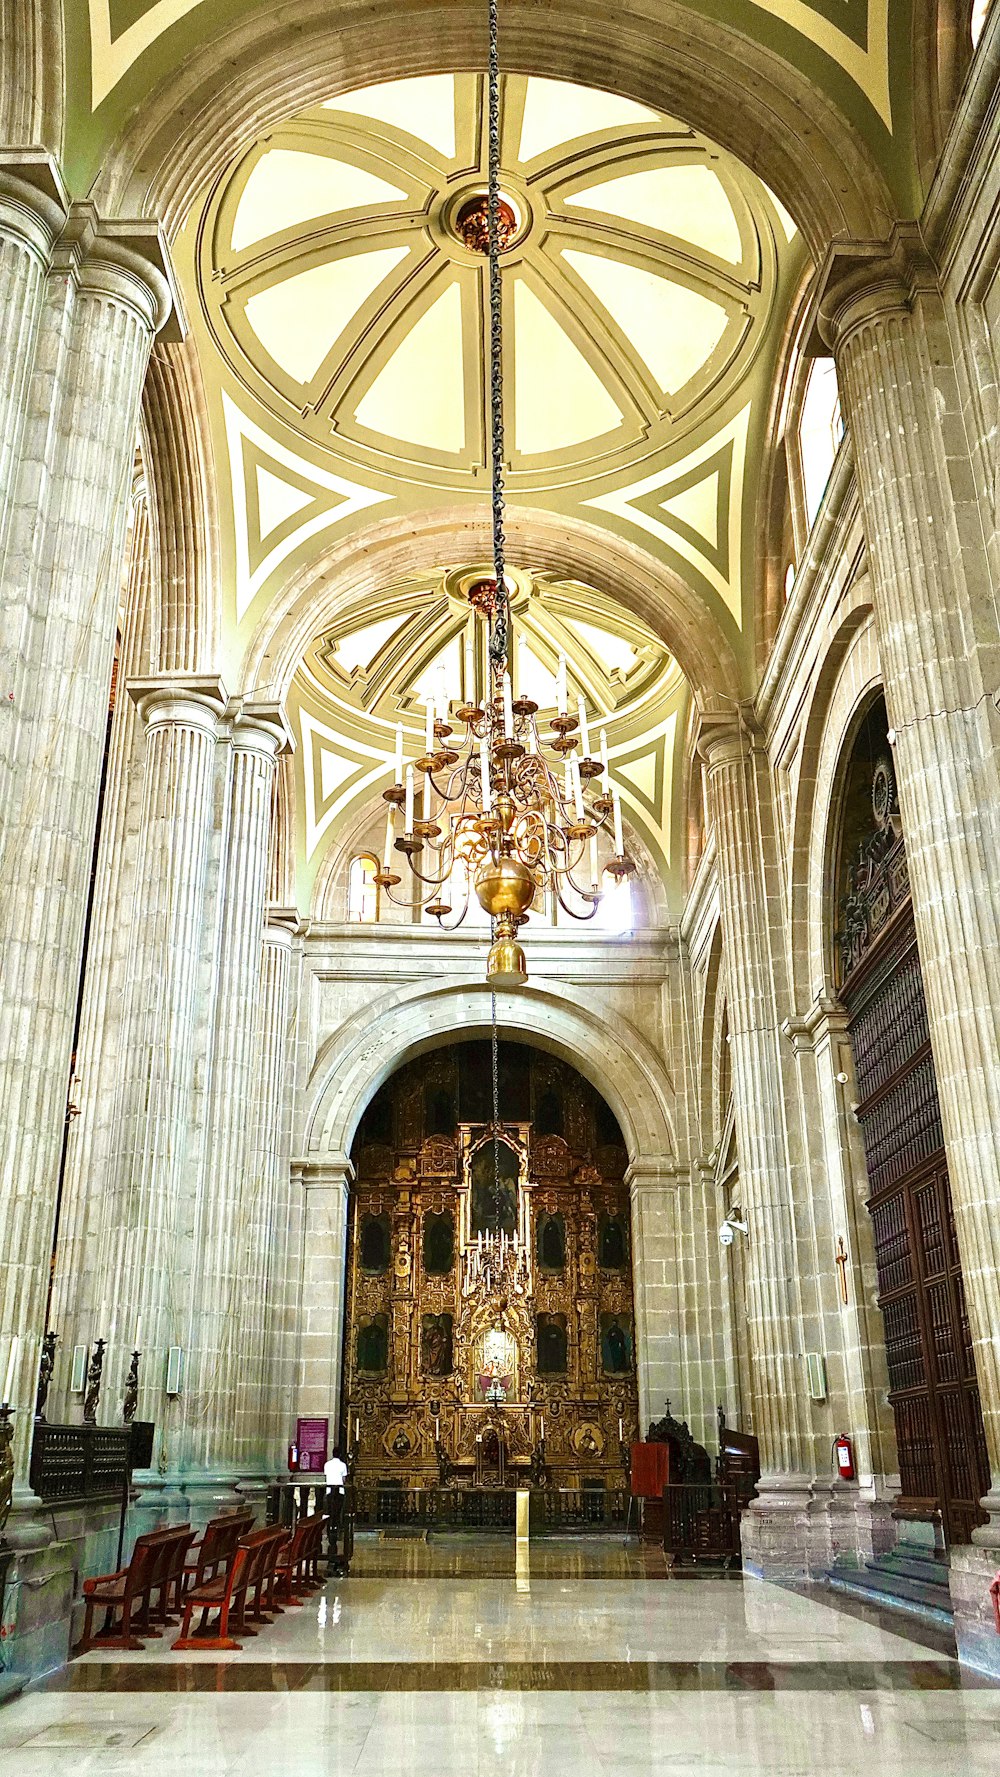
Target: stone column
324, 1259
101, 1044
33, 206
231, 1184
926, 523
653, 1185
264, 1395
61, 583
739, 811
143, 1258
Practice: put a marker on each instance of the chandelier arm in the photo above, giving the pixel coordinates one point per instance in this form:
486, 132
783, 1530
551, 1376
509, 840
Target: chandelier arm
594, 900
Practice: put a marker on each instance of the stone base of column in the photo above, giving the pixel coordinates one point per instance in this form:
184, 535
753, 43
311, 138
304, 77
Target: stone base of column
51, 1558
972, 1568
797, 1528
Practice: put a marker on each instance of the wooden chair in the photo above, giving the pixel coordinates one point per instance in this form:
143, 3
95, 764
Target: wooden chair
216, 1549
163, 1600
223, 1595
258, 1603
297, 1566
125, 1594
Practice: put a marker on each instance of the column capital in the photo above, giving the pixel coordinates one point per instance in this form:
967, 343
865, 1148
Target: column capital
336, 1172
283, 920
187, 700
861, 280
657, 1173
727, 739
262, 727
34, 202
125, 258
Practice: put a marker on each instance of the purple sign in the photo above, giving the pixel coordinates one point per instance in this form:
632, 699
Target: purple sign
311, 1438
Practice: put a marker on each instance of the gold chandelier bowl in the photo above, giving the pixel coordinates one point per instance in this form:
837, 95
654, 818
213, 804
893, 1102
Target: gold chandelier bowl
504, 886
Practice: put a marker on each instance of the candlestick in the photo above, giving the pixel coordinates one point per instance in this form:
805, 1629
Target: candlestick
522, 666
357, 1429
541, 1428
399, 753
593, 861
484, 765
437, 1431
408, 821
581, 710
442, 694
619, 839
429, 730
470, 661
561, 688
604, 756
577, 791
426, 807
508, 708
621, 1432
387, 852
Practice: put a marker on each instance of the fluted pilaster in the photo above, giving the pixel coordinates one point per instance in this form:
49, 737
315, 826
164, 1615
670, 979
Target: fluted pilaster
766, 1172
101, 1047
324, 1188
264, 1379
232, 1183
939, 639
60, 589
32, 211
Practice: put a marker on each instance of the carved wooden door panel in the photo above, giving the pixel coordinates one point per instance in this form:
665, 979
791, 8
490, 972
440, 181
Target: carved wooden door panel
932, 1381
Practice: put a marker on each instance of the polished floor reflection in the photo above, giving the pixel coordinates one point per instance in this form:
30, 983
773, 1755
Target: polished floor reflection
443, 1657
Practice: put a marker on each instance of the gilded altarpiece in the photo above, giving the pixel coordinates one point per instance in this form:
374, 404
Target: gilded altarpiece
471, 1371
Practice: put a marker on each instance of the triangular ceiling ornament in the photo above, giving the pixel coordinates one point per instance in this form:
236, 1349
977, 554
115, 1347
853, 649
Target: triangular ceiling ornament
694, 509
280, 500
335, 772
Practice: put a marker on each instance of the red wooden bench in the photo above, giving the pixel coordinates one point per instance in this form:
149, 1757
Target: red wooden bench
163, 1601
297, 1568
216, 1549
123, 1596
259, 1603
223, 1595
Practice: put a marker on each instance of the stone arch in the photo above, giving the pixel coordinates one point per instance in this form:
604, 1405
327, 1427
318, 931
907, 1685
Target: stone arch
369, 1046
258, 70
851, 670
408, 543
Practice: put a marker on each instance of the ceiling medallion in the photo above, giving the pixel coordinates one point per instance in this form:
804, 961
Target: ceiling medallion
472, 223
497, 817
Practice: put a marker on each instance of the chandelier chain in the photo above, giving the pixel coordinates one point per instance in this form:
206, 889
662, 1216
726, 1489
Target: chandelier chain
499, 636
495, 1059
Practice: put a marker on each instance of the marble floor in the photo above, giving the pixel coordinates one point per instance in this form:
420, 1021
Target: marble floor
447, 1658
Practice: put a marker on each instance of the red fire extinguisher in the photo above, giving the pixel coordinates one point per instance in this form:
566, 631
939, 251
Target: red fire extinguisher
844, 1454
293, 1458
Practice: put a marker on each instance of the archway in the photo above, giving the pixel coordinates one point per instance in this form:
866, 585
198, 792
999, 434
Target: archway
489, 1318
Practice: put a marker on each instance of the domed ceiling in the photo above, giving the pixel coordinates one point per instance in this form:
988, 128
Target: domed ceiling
341, 319
384, 658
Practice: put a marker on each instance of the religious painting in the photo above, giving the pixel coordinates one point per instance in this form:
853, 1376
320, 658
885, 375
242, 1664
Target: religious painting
375, 1245
612, 1243
373, 1345
492, 1209
436, 1345
551, 1244
496, 1365
552, 1344
439, 1243
616, 1344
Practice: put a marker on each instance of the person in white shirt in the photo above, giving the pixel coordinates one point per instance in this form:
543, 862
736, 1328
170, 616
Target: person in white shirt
335, 1471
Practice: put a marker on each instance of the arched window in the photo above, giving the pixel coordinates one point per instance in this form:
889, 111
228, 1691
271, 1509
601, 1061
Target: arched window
615, 913
821, 429
362, 891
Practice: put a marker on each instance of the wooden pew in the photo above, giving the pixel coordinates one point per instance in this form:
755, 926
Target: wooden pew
297, 1565
223, 1595
166, 1583
124, 1594
217, 1548
258, 1600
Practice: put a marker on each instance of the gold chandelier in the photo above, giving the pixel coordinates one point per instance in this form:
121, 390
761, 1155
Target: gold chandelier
496, 816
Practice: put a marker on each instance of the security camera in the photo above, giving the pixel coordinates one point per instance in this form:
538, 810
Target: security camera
732, 1226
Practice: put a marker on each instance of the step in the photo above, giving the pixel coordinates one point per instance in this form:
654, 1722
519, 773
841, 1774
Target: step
929, 1572
899, 1593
